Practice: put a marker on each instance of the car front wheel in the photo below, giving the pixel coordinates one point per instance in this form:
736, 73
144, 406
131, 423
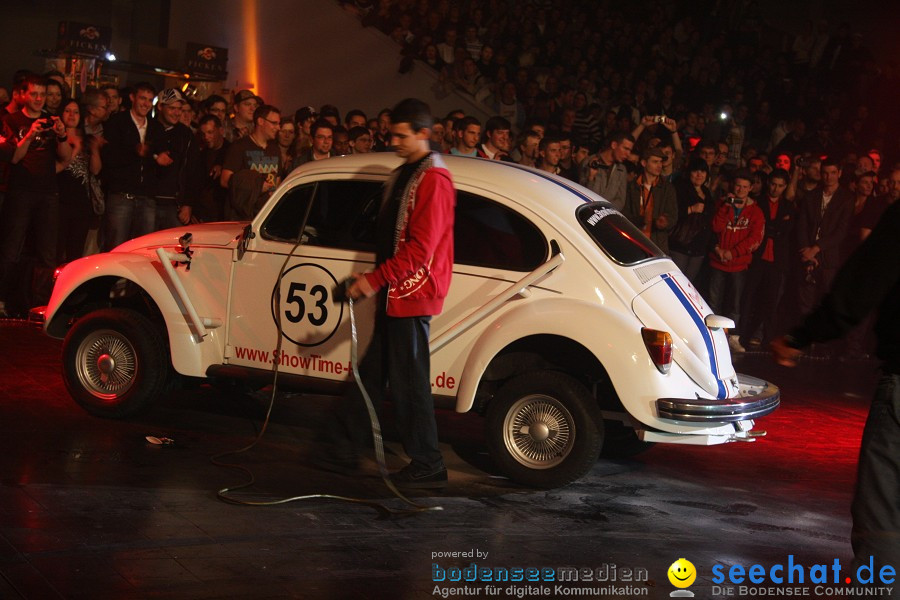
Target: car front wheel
114, 362
544, 429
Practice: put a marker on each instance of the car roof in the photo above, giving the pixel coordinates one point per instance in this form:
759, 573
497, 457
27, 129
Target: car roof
502, 177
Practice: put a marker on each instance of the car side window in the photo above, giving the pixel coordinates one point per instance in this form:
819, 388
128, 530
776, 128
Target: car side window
284, 222
343, 214
488, 234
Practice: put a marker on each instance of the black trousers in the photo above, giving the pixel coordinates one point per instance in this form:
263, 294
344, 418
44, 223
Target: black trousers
762, 294
876, 505
24, 212
398, 358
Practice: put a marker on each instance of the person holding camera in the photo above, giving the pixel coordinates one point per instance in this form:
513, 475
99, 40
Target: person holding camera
605, 173
32, 201
738, 225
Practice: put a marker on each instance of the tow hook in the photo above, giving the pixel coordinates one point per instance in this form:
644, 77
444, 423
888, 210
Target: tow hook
747, 436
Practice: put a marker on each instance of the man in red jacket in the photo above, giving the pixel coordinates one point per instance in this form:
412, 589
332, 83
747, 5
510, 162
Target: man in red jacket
739, 225
414, 262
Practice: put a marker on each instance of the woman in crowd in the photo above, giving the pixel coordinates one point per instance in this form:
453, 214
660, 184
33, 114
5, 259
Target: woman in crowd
287, 135
55, 96
689, 241
76, 211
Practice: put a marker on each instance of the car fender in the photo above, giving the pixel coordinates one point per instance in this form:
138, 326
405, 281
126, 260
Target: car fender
613, 337
190, 354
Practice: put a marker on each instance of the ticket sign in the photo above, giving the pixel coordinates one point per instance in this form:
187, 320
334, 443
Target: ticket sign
202, 59
83, 38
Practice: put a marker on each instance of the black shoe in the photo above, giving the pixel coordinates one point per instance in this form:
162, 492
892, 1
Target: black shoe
411, 477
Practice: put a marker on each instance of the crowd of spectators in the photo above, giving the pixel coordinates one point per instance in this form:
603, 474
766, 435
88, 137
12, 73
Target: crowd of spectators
775, 146
757, 161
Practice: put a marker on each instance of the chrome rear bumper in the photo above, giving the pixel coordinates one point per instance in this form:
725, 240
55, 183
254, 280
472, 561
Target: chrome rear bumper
757, 398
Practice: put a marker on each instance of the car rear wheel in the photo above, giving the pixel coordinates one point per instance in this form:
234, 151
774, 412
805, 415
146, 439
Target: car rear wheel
544, 429
114, 362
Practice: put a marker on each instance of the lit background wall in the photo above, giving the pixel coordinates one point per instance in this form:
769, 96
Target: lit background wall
305, 52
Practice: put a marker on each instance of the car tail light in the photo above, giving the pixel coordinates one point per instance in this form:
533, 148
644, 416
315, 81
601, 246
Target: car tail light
659, 345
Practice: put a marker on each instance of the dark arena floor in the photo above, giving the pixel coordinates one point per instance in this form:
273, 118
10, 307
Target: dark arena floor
90, 509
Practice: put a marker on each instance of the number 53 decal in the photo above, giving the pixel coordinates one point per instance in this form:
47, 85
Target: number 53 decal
309, 316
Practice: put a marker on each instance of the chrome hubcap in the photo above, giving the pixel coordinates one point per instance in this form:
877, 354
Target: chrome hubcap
106, 364
539, 431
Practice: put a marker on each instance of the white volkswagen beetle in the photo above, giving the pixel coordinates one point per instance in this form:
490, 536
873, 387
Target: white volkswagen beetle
564, 325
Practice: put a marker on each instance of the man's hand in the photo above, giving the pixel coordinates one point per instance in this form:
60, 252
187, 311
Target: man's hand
184, 214
648, 120
670, 124
360, 287
662, 222
36, 128
216, 171
59, 128
164, 159
783, 354
809, 253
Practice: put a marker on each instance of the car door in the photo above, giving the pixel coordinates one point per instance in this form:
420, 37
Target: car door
282, 286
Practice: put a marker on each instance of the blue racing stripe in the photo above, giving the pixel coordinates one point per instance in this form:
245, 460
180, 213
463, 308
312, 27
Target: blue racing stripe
704, 331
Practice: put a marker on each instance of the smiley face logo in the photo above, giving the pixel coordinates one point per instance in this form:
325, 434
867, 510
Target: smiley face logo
682, 573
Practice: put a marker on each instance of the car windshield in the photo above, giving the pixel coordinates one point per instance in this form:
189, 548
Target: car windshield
616, 235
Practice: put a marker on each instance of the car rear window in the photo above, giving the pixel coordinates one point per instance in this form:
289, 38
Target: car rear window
616, 235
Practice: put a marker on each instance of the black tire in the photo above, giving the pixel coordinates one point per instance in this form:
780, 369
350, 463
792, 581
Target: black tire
544, 429
621, 441
115, 361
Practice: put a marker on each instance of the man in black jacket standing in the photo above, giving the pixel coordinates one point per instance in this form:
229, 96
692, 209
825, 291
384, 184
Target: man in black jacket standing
869, 280
822, 221
179, 183
771, 262
130, 158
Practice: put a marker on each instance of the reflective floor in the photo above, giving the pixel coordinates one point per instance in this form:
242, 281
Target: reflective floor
90, 509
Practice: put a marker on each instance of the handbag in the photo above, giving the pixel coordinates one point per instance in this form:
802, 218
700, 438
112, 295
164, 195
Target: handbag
95, 193
688, 228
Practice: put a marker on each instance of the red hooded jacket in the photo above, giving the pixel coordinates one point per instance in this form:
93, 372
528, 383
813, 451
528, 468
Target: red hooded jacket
741, 236
418, 274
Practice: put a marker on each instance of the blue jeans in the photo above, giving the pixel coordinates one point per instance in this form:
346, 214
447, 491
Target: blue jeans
166, 215
689, 265
725, 291
398, 358
876, 513
127, 216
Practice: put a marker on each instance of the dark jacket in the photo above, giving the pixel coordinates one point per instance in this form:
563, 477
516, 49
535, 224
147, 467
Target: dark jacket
664, 203
245, 195
831, 227
180, 180
687, 196
869, 280
124, 170
779, 230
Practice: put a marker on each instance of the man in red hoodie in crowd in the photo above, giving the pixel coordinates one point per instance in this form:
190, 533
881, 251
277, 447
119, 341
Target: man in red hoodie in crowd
413, 266
739, 225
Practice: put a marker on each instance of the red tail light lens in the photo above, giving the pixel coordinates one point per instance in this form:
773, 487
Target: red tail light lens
659, 345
